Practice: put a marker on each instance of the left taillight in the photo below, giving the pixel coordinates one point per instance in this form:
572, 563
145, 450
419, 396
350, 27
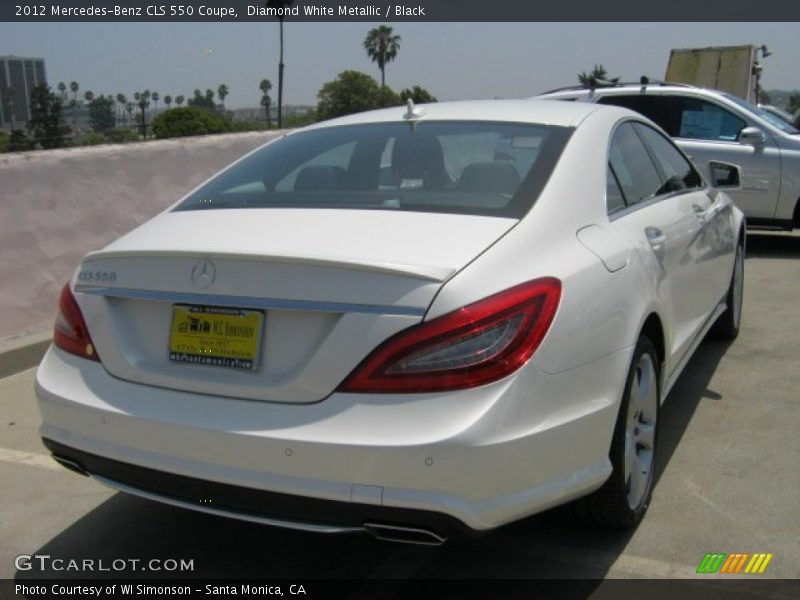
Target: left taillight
471, 346
71, 333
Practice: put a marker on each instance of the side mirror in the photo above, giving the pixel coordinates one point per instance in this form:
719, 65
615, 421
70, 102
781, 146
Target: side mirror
752, 136
724, 175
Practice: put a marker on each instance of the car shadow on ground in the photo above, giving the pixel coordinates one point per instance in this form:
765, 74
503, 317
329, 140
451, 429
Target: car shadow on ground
773, 245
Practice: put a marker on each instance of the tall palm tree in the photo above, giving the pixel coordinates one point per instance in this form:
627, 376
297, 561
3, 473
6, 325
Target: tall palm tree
129, 106
156, 97
74, 87
222, 92
280, 6
179, 100
265, 86
168, 101
89, 96
144, 101
122, 101
62, 88
382, 45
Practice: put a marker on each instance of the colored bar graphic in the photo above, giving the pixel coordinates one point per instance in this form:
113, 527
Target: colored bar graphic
734, 563
711, 563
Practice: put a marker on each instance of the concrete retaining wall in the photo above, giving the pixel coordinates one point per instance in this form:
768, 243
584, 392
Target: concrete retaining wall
55, 206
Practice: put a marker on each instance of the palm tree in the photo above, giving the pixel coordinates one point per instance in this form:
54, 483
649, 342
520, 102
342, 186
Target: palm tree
129, 106
179, 100
89, 96
144, 101
74, 87
222, 92
62, 88
599, 73
156, 97
265, 86
382, 46
168, 101
122, 101
280, 6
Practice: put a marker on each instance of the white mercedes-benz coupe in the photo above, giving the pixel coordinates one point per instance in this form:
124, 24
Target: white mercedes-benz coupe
411, 321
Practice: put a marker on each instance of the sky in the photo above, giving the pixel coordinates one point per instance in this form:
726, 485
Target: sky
454, 61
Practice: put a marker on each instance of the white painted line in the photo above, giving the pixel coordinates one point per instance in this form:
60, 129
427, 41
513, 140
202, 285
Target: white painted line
31, 459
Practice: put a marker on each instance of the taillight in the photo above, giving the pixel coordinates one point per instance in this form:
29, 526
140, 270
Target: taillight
70, 332
471, 346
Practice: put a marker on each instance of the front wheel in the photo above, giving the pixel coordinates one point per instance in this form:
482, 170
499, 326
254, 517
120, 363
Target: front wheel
625, 496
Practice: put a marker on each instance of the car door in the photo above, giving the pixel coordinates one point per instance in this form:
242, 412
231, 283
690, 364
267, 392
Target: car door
665, 227
707, 132
713, 246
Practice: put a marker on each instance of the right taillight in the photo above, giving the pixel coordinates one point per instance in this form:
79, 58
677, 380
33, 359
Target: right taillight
70, 332
471, 346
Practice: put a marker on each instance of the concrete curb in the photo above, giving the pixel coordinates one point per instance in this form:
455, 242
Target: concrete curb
24, 352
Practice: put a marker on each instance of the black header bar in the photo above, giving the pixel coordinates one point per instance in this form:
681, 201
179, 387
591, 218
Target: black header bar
402, 10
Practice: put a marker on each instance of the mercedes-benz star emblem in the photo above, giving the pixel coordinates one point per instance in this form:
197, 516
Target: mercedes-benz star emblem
203, 273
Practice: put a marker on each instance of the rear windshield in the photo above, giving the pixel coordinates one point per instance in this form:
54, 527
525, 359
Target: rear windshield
466, 167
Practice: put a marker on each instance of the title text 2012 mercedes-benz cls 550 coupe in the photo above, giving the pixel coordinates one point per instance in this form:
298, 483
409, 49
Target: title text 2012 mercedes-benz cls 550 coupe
412, 321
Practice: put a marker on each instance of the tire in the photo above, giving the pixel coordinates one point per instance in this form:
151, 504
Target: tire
623, 499
727, 325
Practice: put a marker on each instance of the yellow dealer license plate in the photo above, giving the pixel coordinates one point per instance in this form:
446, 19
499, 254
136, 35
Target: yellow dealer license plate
216, 336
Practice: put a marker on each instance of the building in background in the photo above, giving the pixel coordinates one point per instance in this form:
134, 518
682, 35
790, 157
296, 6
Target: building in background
18, 77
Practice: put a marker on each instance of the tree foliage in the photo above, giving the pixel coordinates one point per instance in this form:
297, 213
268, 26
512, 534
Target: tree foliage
794, 102
599, 73
352, 92
46, 125
418, 95
19, 142
382, 45
190, 120
101, 114
204, 101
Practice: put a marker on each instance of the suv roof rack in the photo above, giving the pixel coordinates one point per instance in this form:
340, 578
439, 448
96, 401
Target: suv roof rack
593, 84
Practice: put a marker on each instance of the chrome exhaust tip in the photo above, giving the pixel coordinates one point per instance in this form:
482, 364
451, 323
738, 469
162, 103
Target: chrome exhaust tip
70, 464
404, 535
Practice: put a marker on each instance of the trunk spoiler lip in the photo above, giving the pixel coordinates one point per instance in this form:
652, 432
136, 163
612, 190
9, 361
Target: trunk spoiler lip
248, 301
435, 273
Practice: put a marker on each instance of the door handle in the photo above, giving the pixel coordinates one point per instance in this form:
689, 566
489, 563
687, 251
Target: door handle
700, 212
657, 240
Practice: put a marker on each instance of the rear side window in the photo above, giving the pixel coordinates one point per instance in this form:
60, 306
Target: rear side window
677, 173
631, 165
683, 116
702, 120
652, 107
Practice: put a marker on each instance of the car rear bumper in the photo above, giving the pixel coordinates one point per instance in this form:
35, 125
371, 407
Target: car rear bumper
476, 458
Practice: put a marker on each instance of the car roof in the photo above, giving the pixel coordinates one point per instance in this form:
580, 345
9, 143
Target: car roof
545, 112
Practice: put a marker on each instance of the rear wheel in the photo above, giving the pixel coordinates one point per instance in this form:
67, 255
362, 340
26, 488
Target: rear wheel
625, 496
727, 326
